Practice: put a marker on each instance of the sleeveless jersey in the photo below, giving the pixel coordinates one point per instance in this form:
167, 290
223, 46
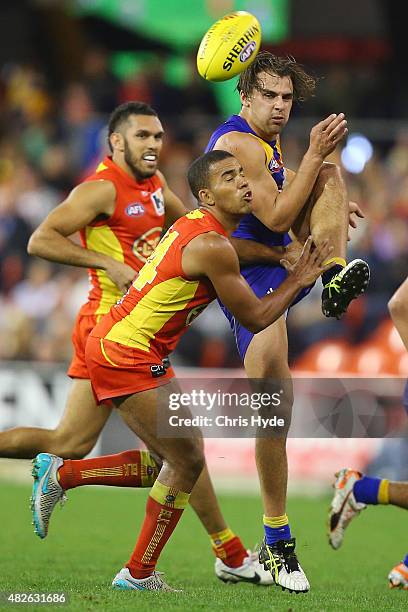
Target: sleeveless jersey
129, 235
162, 301
250, 227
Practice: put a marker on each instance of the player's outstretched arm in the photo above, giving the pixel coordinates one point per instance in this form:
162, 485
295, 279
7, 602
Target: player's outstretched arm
278, 211
213, 256
251, 252
84, 204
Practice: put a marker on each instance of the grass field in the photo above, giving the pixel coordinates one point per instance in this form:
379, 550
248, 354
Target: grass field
92, 536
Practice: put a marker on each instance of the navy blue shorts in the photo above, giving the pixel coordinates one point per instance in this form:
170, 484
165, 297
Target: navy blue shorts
262, 280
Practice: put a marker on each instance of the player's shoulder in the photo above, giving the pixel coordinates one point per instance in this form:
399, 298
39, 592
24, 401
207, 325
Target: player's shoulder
242, 142
212, 245
98, 193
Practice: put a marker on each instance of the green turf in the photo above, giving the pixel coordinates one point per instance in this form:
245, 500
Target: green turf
91, 538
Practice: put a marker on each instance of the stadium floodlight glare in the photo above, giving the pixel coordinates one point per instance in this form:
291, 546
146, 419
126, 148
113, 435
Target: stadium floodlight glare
357, 152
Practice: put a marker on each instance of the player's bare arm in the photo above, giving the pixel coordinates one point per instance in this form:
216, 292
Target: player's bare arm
174, 207
251, 252
213, 256
85, 203
278, 211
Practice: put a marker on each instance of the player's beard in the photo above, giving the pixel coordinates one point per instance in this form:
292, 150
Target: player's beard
138, 173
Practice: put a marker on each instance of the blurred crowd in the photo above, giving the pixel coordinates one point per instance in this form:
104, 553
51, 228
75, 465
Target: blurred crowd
53, 136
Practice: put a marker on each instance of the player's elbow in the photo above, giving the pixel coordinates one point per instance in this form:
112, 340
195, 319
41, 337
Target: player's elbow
33, 246
254, 325
37, 245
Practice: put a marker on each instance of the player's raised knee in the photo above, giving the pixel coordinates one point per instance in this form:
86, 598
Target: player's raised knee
330, 171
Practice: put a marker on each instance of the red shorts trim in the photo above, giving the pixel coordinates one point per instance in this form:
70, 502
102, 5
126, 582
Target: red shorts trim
83, 326
116, 370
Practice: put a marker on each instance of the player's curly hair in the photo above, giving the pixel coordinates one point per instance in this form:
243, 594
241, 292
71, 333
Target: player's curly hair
198, 174
304, 84
124, 111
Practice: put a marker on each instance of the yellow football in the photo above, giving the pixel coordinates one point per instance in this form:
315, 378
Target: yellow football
229, 46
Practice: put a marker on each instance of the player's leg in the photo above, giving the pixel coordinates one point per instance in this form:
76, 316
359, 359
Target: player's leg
233, 562
326, 216
266, 360
183, 462
353, 491
74, 436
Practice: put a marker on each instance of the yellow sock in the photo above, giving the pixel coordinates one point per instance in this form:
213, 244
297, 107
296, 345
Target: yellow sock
383, 492
221, 537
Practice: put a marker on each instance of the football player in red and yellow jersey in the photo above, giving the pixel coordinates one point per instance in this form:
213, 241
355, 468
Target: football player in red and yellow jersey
192, 264
120, 212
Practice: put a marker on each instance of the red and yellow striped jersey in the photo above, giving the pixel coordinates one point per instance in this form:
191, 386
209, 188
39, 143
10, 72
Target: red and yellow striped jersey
129, 235
162, 301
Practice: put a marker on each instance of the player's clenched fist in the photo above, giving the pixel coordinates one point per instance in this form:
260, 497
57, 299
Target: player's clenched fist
310, 264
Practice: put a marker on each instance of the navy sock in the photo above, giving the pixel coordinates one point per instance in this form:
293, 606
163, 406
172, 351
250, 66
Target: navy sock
274, 534
366, 490
406, 561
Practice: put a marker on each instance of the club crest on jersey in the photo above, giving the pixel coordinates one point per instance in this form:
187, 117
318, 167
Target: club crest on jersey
144, 246
274, 165
135, 210
158, 201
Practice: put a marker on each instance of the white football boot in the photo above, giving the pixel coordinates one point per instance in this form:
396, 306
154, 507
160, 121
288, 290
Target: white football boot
281, 561
46, 492
250, 571
398, 577
124, 581
344, 506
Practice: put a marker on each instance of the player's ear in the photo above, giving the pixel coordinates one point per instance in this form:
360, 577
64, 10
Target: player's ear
117, 141
205, 196
245, 100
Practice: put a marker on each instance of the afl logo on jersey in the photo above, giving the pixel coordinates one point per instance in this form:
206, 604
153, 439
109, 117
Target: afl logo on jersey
158, 201
135, 210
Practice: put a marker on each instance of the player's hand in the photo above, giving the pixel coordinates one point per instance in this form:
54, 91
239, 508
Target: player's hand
293, 251
120, 273
354, 209
326, 135
310, 264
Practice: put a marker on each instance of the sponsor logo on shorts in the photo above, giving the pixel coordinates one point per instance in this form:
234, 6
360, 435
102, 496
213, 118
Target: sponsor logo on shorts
157, 370
135, 210
247, 51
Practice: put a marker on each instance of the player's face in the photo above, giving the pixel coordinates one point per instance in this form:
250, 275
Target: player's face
269, 106
230, 188
143, 139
